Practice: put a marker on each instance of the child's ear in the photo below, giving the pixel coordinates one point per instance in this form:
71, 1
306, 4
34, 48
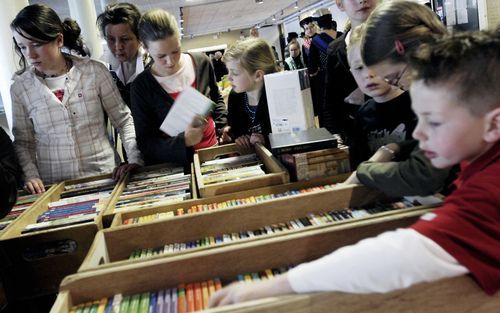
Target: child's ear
492, 130
259, 75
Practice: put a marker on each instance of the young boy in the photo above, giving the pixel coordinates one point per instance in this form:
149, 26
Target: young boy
386, 117
459, 121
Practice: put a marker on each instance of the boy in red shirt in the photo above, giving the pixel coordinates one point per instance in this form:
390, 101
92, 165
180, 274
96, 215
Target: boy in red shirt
456, 96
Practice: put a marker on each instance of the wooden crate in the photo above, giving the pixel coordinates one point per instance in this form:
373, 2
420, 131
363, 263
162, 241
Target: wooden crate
112, 247
276, 172
455, 295
109, 213
120, 217
27, 275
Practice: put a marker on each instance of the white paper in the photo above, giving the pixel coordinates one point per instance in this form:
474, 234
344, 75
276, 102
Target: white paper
188, 104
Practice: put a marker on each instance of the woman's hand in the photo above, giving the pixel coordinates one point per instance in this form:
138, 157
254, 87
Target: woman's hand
194, 132
34, 185
240, 291
123, 169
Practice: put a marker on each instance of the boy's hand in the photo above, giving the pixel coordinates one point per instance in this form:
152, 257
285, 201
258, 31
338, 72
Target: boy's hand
257, 138
352, 180
194, 132
356, 97
34, 185
239, 292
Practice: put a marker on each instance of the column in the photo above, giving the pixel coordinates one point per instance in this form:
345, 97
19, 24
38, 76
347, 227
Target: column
8, 58
83, 11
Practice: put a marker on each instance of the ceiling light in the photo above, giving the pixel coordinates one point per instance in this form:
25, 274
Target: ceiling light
259, 1
296, 5
274, 18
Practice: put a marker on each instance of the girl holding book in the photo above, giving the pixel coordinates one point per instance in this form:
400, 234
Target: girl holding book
247, 62
154, 90
59, 101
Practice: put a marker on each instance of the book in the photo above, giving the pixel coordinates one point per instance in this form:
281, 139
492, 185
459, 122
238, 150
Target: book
302, 141
188, 105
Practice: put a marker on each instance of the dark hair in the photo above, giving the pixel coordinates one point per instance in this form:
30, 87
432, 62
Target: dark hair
157, 24
120, 13
469, 62
40, 23
408, 22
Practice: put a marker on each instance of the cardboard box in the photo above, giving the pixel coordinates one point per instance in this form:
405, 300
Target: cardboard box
33, 264
276, 174
110, 212
289, 101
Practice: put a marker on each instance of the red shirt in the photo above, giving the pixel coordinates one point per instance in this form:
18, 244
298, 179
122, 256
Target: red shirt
467, 226
209, 135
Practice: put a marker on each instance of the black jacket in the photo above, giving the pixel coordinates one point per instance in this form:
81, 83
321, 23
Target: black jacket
150, 105
240, 121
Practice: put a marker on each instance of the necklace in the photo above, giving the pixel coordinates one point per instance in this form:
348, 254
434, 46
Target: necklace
67, 66
251, 110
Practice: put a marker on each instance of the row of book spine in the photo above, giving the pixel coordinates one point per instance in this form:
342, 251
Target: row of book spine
329, 217
185, 298
231, 203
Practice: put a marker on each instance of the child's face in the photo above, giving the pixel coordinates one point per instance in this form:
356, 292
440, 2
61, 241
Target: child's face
448, 133
166, 54
367, 81
357, 10
395, 74
240, 79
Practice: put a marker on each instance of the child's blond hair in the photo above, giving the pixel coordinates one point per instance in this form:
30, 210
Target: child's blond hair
253, 54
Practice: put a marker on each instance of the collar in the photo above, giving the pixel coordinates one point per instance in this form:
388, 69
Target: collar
490, 156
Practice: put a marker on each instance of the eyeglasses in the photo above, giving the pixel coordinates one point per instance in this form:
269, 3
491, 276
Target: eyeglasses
396, 79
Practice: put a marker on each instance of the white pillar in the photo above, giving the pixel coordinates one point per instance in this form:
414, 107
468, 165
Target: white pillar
83, 11
8, 58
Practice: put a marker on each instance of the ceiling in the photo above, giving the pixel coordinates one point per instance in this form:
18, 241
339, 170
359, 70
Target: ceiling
201, 17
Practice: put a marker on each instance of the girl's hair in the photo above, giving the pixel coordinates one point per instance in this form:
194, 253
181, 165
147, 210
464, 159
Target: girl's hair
253, 54
120, 13
408, 22
157, 24
40, 23
356, 36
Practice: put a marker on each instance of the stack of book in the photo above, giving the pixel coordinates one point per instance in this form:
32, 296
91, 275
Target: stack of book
78, 203
155, 187
24, 202
319, 163
231, 169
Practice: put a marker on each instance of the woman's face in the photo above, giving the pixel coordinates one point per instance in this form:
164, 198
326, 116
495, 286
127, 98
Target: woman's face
395, 74
44, 56
122, 42
166, 54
